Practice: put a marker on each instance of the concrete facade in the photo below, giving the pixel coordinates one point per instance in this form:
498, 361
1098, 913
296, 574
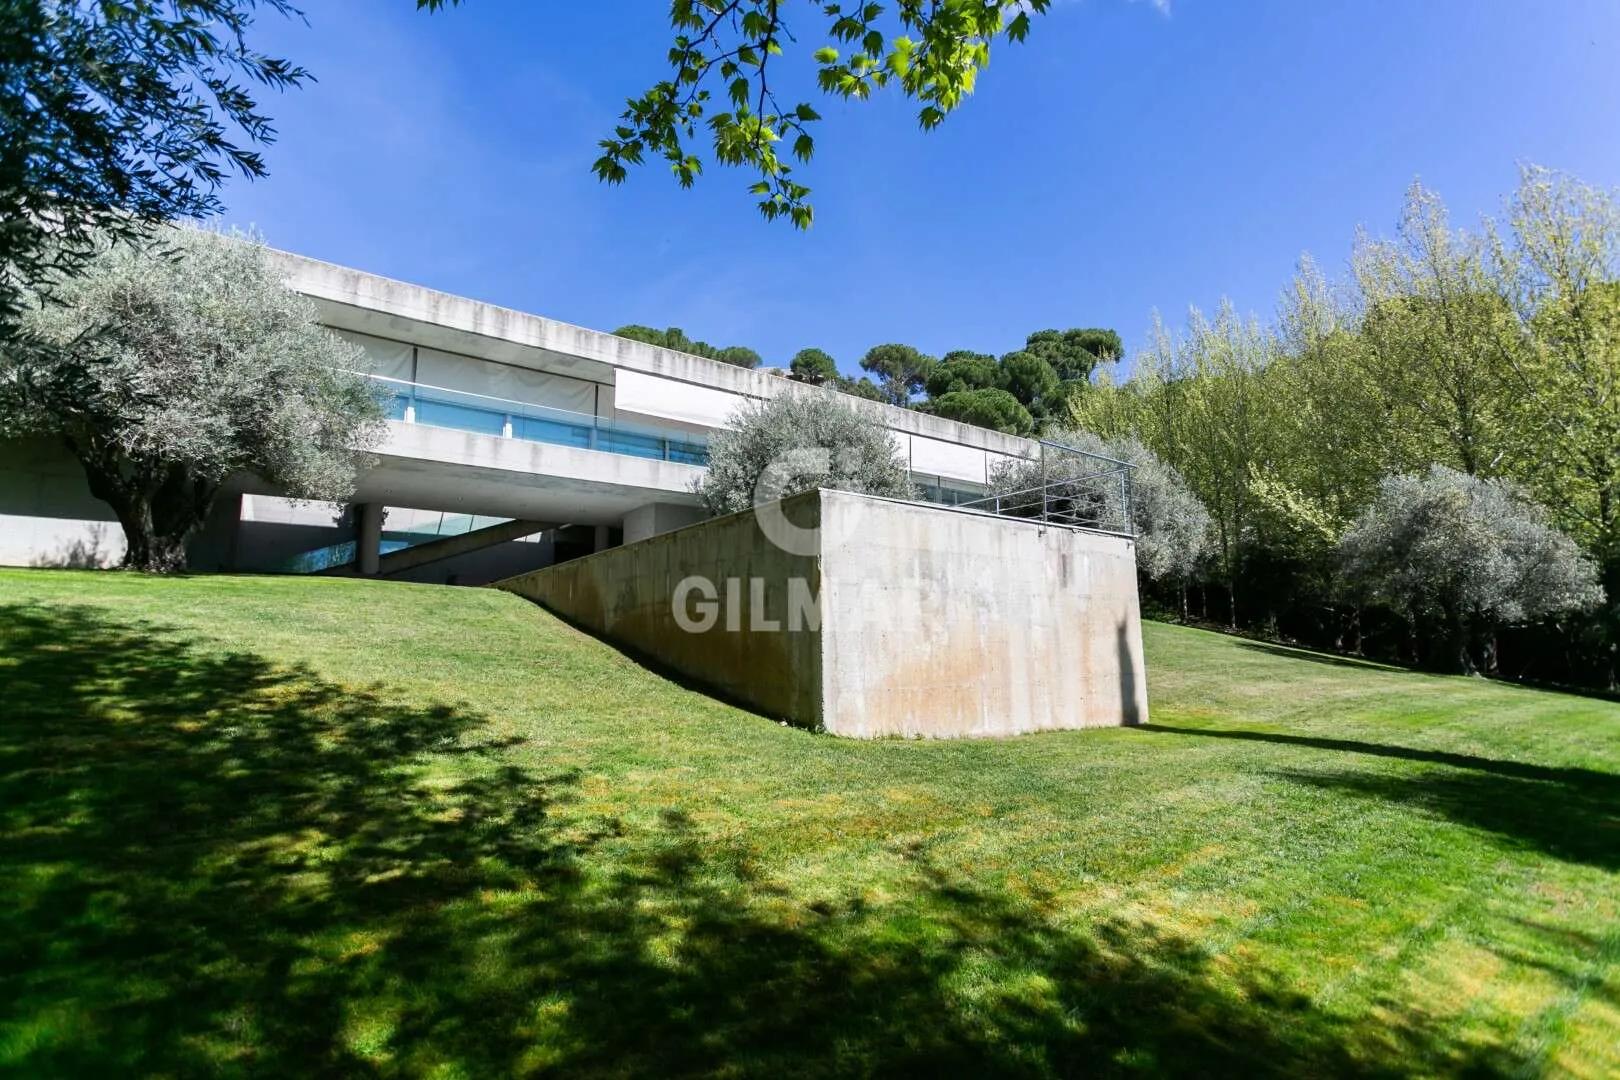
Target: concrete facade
497, 413
625, 595
927, 621
47, 515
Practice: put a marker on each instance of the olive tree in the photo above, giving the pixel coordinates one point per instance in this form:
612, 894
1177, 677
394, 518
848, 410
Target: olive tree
800, 442
1464, 556
167, 370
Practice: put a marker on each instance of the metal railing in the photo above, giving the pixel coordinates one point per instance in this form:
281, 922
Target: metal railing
461, 410
1064, 486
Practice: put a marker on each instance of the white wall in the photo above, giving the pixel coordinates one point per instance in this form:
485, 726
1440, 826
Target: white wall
47, 515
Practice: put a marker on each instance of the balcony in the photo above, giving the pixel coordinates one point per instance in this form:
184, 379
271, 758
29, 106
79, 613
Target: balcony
457, 410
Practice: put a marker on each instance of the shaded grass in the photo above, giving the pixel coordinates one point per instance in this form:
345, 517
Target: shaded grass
289, 826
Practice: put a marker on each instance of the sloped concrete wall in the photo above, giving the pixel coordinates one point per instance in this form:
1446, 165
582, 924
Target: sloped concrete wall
930, 623
627, 595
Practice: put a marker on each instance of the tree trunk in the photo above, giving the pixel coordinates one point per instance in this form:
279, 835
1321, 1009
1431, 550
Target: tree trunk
1459, 645
160, 508
151, 551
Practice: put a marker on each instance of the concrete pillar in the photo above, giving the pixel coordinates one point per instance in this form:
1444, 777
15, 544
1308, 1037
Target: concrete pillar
368, 537
214, 546
603, 539
655, 518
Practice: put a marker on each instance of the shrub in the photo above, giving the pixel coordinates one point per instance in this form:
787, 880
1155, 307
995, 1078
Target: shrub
1464, 556
1171, 525
168, 370
798, 442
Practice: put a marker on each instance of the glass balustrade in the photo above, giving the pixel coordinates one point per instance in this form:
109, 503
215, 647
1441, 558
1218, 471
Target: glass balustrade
436, 406
459, 410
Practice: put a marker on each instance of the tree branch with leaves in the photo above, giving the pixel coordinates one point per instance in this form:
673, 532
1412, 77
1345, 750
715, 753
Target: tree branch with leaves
720, 87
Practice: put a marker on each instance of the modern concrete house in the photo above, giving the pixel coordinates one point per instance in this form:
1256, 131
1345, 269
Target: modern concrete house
514, 441
561, 462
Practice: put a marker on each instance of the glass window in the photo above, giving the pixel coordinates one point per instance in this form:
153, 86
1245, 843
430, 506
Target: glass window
625, 442
460, 417
551, 431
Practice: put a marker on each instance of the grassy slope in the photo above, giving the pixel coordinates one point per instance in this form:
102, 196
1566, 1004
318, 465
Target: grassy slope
293, 825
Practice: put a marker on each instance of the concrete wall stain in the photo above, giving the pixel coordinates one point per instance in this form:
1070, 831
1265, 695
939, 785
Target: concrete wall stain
933, 622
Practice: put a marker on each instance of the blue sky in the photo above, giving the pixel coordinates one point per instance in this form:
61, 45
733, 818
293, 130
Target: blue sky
1130, 156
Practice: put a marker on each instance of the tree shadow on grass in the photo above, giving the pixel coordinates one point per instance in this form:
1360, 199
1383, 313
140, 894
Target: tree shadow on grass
1569, 812
1597, 782
1289, 652
220, 865
1570, 820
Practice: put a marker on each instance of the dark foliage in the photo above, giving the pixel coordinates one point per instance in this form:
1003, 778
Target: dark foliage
675, 338
118, 115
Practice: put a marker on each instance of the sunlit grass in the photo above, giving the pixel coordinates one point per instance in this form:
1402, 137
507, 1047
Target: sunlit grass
283, 825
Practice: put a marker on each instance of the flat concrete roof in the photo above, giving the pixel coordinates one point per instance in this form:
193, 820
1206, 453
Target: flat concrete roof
351, 299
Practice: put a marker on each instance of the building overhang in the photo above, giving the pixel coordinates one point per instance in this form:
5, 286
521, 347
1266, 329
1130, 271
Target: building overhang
354, 300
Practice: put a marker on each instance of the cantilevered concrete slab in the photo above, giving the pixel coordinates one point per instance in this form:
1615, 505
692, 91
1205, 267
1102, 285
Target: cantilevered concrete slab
894, 619
465, 472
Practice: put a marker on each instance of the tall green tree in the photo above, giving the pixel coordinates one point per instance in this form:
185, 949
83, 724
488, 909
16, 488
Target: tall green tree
963, 369
902, 371
987, 408
1031, 380
118, 115
675, 338
1209, 416
1436, 331
1075, 354
168, 372
1561, 265
813, 366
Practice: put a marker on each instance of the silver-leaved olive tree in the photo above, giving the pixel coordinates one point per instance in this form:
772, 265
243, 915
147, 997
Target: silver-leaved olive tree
169, 368
1462, 556
799, 442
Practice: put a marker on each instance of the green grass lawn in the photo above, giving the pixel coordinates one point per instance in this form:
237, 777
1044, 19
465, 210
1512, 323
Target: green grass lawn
292, 826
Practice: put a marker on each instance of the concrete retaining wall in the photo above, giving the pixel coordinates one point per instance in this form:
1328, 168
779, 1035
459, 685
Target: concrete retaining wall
625, 594
931, 622
47, 515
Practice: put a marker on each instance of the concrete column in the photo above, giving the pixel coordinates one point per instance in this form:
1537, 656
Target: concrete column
368, 537
655, 518
214, 547
603, 539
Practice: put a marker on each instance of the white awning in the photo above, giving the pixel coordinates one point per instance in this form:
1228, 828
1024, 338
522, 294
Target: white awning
669, 399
